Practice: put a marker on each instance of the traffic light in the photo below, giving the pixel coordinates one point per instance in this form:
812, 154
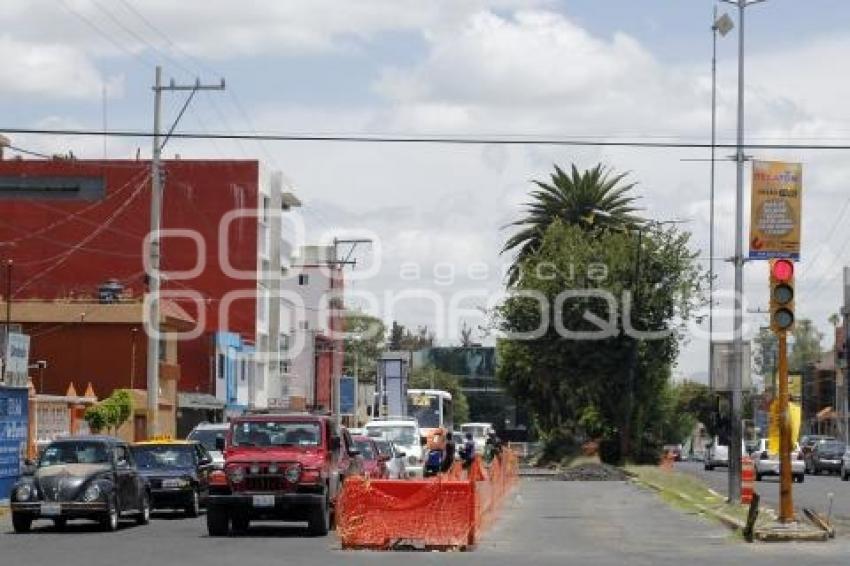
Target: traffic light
781, 295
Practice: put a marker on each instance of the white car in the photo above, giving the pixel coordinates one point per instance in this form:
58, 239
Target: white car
766, 462
396, 459
206, 434
717, 455
845, 465
404, 433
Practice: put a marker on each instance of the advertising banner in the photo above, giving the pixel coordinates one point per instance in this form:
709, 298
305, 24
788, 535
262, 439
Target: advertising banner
347, 395
776, 210
14, 410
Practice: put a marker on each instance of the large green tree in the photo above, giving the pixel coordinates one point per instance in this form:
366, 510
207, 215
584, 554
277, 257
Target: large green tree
429, 377
807, 348
579, 387
364, 342
573, 198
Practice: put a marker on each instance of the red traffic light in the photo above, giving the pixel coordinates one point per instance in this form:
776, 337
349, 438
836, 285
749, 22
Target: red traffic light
782, 270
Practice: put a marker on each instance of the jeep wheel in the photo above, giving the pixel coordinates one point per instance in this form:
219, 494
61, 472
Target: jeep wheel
708, 467
319, 520
218, 523
109, 520
144, 516
194, 507
240, 524
800, 478
844, 476
21, 523
758, 476
60, 523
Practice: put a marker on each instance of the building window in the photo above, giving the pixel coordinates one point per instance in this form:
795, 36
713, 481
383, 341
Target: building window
221, 363
162, 350
243, 373
284, 367
284, 343
303, 279
267, 204
304, 325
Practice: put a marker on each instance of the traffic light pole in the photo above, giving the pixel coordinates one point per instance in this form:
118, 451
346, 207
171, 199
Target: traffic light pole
786, 501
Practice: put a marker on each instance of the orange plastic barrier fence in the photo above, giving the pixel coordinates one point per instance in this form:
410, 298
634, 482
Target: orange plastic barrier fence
444, 512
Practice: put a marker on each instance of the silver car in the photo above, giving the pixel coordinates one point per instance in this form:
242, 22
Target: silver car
395, 458
206, 434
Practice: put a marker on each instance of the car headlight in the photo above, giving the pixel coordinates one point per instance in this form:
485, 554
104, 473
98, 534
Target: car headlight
273, 468
236, 474
293, 473
24, 492
92, 493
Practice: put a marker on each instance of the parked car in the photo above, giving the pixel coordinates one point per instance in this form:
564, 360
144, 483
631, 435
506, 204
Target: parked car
208, 434
766, 461
83, 477
177, 472
406, 436
374, 463
807, 443
396, 458
285, 467
826, 456
845, 465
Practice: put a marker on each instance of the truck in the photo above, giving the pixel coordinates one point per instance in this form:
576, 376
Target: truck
283, 467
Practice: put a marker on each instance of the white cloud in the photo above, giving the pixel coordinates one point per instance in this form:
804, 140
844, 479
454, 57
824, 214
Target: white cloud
50, 70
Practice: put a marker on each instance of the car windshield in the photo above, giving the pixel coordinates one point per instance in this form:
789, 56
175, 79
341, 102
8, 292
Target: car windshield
831, 446
476, 430
365, 448
276, 433
384, 447
206, 436
400, 434
164, 456
61, 453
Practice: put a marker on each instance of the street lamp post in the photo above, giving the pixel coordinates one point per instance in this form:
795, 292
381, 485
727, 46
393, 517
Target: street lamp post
736, 439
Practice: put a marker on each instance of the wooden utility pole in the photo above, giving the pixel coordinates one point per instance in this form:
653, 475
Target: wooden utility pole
786, 501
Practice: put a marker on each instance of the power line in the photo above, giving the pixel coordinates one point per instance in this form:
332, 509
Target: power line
421, 140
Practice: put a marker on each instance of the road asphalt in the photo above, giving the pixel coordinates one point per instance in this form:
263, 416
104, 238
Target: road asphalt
812, 493
542, 522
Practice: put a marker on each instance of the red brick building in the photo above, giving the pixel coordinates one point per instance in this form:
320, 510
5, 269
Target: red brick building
71, 225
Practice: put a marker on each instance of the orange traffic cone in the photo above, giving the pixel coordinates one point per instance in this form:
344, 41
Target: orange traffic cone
748, 475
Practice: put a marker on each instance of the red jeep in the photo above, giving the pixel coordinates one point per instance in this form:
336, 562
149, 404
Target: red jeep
287, 467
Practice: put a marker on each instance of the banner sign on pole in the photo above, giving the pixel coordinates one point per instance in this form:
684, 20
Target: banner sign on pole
347, 395
776, 210
14, 409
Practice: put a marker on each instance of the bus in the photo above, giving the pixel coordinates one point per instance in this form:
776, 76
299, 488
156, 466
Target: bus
431, 408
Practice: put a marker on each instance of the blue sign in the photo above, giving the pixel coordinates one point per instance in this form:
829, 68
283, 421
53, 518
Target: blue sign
14, 410
347, 395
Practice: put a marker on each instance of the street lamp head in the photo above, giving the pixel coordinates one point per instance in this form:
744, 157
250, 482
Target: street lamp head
724, 25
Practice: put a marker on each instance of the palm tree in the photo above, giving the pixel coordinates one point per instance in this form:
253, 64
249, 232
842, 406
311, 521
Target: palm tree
575, 198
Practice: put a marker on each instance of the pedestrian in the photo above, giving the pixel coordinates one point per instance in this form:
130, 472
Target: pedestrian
450, 452
467, 453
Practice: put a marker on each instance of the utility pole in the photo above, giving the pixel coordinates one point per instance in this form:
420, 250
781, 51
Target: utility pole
336, 267
736, 439
154, 250
721, 25
845, 312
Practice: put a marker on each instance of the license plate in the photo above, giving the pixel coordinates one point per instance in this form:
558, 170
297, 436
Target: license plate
264, 501
51, 509
171, 483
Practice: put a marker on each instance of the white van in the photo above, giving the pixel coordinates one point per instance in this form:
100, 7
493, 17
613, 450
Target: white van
406, 436
479, 433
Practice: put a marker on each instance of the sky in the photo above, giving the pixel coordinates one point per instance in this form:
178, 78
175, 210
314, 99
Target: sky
612, 69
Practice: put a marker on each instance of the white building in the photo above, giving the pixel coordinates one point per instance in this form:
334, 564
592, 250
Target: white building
312, 295
276, 244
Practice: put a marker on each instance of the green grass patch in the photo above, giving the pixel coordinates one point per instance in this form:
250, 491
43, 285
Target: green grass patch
688, 493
